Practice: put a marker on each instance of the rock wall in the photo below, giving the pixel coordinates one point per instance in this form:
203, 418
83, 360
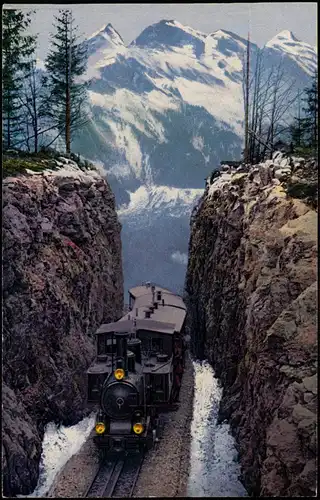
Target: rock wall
251, 290
62, 277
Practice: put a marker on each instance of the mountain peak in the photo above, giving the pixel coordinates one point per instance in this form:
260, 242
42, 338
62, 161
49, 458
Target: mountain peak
302, 52
167, 32
283, 37
109, 33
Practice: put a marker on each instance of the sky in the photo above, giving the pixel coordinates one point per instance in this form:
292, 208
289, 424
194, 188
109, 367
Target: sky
264, 20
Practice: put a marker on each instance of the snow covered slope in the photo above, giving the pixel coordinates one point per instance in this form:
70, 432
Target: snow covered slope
175, 202
301, 53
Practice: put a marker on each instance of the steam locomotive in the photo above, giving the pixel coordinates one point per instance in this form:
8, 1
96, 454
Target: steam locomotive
137, 372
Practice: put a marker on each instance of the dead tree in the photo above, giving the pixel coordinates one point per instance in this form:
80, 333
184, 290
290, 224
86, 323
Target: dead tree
246, 77
271, 99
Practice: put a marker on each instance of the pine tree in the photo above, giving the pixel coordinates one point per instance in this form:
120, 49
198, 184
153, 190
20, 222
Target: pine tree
65, 63
17, 48
311, 111
298, 127
304, 130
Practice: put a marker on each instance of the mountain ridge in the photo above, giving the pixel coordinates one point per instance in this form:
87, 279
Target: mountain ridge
172, 22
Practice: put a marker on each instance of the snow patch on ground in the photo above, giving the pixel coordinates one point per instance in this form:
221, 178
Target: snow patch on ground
214, 468
59, 444
218, 184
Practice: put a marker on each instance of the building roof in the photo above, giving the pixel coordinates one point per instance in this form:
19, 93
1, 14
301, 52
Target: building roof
137, 291
166, 319
169, 300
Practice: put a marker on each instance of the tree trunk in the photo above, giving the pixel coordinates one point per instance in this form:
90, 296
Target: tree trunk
67, 116
68, 93
68, 138
246, 125
8, 127
35, 114
315, 118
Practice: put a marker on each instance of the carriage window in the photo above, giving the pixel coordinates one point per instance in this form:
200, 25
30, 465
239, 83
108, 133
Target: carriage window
150, 344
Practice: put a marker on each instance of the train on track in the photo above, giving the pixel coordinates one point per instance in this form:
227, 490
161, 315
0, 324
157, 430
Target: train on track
137, 372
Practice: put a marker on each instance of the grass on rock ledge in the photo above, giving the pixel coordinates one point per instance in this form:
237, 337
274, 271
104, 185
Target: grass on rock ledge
16, 163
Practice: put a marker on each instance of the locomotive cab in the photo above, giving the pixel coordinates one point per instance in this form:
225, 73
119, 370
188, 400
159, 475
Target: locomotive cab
101, 368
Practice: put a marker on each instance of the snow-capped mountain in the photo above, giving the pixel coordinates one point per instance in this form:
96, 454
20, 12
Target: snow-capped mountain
165, 110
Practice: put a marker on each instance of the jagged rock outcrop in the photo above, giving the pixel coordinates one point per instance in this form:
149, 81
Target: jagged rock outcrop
62, 277
252, 300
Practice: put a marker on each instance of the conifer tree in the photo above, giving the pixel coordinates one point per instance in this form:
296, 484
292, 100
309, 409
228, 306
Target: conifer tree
65, 63
311, 111
304, 130
17, 49
297, 129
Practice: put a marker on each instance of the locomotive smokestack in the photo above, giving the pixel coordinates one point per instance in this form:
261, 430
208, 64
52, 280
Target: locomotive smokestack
135, 346
131, 361
122, 350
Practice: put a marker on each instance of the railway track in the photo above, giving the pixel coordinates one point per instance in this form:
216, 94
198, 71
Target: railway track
118, 474
116, 477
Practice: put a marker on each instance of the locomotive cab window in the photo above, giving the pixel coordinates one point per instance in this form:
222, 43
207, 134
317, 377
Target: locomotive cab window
105, 345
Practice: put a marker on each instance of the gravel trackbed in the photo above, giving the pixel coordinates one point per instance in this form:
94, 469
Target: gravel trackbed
165, 470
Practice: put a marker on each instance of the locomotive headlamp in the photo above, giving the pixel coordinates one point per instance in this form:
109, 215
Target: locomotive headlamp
100, 428
119, 373
138, 428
